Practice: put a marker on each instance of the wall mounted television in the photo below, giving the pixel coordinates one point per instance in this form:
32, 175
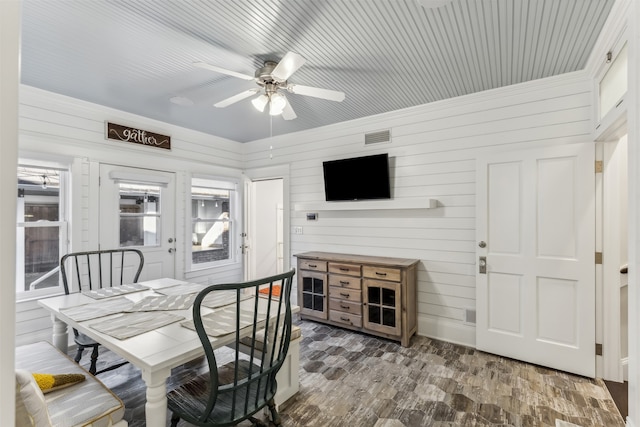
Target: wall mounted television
357, 178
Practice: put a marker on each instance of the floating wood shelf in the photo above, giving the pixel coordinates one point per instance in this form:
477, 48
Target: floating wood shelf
368, 205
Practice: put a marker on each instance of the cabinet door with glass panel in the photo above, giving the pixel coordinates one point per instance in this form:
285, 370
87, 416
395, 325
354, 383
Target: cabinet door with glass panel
381, 306
312, 288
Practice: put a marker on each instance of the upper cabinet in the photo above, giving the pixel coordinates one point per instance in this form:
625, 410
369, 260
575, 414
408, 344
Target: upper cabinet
611, 90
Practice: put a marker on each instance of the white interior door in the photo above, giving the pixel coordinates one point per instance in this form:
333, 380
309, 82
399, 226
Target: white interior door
137, 210
536, 231
265, 227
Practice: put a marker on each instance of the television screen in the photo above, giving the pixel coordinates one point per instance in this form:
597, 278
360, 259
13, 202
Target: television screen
358, 178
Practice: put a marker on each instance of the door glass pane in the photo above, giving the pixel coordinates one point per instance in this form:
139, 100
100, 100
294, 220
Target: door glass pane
389, 297
307, 284
373, 294
317, 286
318, 302
374, 314
389, 317
307, 300
140, 215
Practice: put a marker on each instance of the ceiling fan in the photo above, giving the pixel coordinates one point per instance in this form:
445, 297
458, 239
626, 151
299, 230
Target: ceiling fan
271, 78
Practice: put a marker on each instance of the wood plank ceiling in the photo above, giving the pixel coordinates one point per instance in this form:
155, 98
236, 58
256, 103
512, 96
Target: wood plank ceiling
384, 55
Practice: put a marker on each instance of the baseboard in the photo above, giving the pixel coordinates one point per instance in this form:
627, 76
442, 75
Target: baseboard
447, 330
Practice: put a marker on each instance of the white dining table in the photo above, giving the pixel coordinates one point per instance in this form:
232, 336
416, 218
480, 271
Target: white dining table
155, 352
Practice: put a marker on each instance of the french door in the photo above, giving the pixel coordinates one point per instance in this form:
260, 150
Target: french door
137, 209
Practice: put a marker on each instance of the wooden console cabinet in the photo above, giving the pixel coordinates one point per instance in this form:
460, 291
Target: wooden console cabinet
376, 295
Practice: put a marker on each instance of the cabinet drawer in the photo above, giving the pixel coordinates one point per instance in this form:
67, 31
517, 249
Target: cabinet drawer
382, 273
346, 318
309, 264
348, 269
345, 293
345, 306
345, 282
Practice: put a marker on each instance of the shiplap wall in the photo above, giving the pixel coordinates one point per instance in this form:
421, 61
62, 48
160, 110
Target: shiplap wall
433, 152
70, 131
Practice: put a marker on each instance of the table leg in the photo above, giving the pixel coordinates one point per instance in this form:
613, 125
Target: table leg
156, 407
60, 337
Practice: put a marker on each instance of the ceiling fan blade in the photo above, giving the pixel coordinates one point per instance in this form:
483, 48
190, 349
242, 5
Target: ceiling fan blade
287, 66
223, 71
331, 95
235, 98
287, 112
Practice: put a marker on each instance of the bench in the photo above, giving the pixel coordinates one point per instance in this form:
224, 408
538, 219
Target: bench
87, 403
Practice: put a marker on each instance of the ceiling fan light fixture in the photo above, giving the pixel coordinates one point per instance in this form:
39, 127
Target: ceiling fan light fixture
260, 102
277, 104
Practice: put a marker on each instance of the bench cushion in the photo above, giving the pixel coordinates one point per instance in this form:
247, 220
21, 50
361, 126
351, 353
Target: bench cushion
88, 403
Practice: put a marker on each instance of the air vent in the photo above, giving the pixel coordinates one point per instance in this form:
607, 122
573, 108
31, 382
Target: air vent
377, 137
470, 315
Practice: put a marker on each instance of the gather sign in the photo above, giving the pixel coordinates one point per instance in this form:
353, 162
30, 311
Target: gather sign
137, 136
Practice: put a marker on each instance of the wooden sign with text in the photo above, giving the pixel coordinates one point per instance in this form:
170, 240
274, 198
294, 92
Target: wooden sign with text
137, 136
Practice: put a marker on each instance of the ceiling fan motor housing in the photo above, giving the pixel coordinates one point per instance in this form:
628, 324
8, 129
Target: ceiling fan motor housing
265, 78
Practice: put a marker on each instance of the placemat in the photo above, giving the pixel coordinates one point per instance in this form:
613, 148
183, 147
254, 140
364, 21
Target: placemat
114, 291
94, 310
163, 302
187, 288
221, 298
222, 322
129, 325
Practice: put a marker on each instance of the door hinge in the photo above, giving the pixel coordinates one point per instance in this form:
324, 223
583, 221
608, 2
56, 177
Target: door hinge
598, 258
599, 166
598, 349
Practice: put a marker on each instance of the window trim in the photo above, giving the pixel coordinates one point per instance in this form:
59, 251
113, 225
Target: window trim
63, 222
224, 183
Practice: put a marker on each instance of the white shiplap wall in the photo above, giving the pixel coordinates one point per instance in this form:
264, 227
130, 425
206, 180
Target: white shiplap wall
433, 150
71, 131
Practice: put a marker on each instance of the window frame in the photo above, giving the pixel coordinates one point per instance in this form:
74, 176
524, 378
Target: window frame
214, 182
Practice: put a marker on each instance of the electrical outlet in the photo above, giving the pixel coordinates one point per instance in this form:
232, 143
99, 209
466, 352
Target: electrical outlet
297, 230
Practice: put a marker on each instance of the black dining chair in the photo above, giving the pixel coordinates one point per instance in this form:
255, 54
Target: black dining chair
91, 270
229, 394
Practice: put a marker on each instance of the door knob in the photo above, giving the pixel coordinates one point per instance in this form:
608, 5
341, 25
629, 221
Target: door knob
482, 244
171, 250
170, 239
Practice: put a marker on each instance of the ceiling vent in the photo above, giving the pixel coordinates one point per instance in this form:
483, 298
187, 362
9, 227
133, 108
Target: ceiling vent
377, 137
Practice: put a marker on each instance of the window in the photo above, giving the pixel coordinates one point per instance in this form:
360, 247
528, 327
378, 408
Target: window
42, 230
140, 217
212, 213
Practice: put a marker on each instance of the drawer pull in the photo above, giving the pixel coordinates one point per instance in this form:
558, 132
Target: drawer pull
313, 265
380, 274
345, 307
345, 319
344, 295
344, 269
344, 283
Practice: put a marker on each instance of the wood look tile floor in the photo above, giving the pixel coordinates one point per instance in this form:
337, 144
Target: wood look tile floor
351, 379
